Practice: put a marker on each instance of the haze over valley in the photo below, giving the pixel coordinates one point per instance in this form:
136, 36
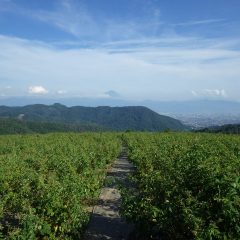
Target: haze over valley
178, 58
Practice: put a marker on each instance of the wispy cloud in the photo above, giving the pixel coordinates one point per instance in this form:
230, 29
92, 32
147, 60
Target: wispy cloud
77, 19
69, 16
153, 72
212, 93
61, 92
137, 57
199, 22
74, 17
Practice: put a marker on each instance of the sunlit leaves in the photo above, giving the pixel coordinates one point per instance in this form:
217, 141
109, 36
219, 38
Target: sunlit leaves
47, 181
187, 185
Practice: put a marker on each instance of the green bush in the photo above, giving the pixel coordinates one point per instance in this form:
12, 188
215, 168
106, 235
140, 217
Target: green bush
187, 186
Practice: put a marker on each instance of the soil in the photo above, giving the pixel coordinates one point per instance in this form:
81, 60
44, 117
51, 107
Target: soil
106, 222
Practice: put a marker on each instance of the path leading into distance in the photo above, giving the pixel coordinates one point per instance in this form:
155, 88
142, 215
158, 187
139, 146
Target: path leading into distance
106, 222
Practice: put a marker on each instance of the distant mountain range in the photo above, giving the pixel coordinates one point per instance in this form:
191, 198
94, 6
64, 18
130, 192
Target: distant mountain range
112, 118
203, 107
228, 128
197, 114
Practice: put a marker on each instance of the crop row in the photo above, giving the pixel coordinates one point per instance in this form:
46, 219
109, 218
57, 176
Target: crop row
48, 181
187, 186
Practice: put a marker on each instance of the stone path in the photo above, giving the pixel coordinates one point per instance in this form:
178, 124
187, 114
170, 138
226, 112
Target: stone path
106, 222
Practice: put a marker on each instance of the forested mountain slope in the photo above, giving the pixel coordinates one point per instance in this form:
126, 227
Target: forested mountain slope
114, 118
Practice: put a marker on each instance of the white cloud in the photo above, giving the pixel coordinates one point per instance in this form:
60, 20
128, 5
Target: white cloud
215, 92
129, 56
194, 93
210, 93
153, 72
61, 92
37, 90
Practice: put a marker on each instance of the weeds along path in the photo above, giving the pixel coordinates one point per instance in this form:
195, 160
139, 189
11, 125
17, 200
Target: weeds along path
106, 222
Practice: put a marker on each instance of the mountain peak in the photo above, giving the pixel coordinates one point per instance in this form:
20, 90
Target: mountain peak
58, 105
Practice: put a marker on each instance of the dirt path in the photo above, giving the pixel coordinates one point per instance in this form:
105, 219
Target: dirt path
106, 222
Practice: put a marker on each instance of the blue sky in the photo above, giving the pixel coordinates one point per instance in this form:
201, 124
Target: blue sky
140, 49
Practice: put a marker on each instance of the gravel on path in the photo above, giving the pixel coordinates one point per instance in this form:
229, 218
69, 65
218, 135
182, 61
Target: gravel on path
106, 222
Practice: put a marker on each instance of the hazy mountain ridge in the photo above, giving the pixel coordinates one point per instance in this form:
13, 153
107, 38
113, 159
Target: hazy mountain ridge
162, 107
115, 118
228, 128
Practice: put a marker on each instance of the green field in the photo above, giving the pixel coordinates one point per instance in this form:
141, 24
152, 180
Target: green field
186, 186
48, 181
